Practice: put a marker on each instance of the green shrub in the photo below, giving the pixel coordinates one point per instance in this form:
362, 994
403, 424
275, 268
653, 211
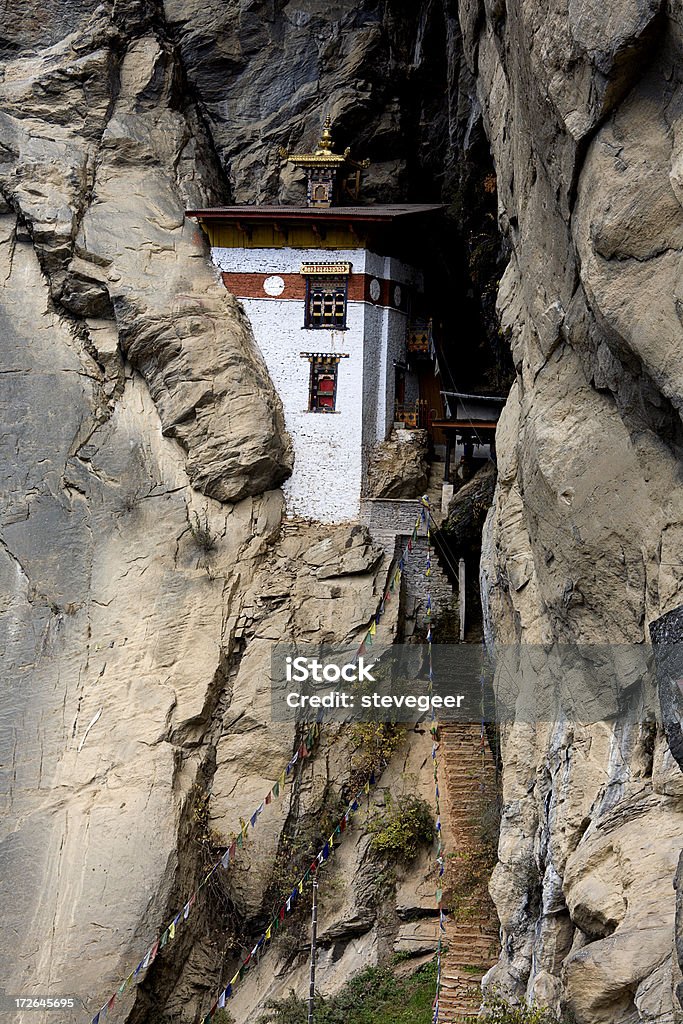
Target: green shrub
223, 1017
497, 1010
402, 829
375, 996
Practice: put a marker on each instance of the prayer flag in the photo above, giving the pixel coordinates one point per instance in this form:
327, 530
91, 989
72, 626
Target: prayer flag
221, 1000
110, 1004
269, 932
225, 859
373, 629
301, 886
269, 797
276, 789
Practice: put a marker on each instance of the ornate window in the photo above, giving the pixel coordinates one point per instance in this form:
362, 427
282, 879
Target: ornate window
322, 387
326, 298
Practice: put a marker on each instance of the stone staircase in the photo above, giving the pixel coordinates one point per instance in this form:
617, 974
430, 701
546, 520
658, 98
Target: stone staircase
472, 934
434, 489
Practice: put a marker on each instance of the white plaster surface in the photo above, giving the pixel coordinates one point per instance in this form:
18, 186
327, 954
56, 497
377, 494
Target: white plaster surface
330, 449
326, 481
286, 260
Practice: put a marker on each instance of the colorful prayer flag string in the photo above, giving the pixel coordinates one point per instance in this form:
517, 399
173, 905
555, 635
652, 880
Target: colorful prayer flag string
169, 933
304, 751
323, 855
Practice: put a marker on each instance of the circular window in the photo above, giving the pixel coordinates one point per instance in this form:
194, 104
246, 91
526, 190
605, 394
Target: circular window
273, 286
375, 290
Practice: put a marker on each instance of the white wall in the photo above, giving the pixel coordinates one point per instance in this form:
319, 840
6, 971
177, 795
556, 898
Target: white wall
330, 449
286, 260
326, 481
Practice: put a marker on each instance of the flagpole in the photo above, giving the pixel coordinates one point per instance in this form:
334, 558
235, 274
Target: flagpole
314, 940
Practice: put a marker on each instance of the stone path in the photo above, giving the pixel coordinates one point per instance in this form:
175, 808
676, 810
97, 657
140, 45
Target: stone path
472, 937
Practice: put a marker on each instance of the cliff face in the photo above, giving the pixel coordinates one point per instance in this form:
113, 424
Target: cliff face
145, 574
144, 571
582, 105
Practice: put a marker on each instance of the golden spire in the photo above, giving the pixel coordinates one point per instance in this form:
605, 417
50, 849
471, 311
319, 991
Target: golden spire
329, 174
325, 143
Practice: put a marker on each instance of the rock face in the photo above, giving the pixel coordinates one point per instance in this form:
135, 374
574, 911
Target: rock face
398, 467
144, 569
582, 106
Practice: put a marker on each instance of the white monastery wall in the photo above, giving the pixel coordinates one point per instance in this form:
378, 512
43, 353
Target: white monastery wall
330, 449
326, 481
287, 260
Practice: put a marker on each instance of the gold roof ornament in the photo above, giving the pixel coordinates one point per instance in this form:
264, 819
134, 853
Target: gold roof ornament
324, 159
323, 155
325, 144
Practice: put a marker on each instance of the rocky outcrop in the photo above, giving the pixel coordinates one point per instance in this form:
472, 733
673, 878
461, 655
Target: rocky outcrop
398, 467
467, 511
581, 105
99, 175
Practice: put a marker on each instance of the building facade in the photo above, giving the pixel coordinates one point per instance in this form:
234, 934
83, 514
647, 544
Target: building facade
330, 305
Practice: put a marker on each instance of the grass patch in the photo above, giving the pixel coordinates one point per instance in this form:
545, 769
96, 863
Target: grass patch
375, 996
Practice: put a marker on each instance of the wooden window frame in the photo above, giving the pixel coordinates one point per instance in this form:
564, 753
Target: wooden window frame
338, 288
323, 364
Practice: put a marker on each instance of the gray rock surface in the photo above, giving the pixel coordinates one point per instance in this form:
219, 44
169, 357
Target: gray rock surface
398, 467
582, 105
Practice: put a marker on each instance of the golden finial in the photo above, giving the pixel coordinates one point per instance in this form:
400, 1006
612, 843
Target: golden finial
325, 143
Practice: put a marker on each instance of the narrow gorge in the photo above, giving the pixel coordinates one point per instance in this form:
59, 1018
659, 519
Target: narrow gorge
149, 563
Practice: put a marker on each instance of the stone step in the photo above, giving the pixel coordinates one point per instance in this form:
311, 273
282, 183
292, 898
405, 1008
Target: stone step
473, 952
